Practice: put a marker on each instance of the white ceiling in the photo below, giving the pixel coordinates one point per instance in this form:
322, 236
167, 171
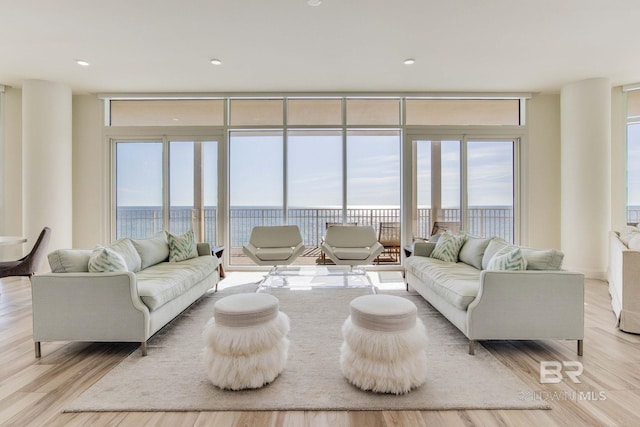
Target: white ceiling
341, 45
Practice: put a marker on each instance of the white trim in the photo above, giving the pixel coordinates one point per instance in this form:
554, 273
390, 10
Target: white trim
283, 95
630, 87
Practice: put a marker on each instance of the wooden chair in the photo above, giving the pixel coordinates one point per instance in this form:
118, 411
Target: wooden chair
389, 238
440, 227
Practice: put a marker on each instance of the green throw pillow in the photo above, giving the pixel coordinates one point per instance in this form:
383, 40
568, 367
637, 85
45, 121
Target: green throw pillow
182, 247
508, 258
448, 247
103, 260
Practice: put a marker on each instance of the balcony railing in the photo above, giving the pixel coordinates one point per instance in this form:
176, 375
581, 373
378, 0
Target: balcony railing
141, 222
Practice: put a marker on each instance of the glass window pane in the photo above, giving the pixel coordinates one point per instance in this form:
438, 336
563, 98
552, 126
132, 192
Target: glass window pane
314, 174
255, 186
314, 112
373, 183
256, 112
193, 188
168, 112
483, 112
633, 103
633, 173
437, 184
490, 188
138, 189
373, 112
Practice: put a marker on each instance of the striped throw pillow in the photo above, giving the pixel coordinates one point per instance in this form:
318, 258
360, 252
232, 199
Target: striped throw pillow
103, 260
508, 258
182, 247
448, 247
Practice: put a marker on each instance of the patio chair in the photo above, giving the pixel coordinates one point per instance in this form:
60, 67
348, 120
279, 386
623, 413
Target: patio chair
389, 238
351, 245
274, 245
28, 265
440, 227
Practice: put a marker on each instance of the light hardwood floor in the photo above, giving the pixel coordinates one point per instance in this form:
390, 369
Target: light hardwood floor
33, 392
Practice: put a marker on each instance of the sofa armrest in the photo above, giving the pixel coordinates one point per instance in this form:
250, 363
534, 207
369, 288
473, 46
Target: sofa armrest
528, 305
88, 307
204, 249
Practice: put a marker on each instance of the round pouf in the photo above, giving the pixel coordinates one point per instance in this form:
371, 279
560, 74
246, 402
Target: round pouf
384, 347
246, 341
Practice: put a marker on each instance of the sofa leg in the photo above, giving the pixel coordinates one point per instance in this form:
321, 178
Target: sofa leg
472, 347
143, 348
580, 347
38, 350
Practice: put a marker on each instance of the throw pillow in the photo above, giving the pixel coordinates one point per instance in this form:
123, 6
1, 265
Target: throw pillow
542, 259
69, 260
106, 260
509, 258
128, 252
472, 251
628, 233
153, 250
495, 245
182, 247
448, 247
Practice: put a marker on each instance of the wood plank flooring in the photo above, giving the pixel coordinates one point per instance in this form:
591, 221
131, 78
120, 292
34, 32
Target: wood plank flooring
33, 392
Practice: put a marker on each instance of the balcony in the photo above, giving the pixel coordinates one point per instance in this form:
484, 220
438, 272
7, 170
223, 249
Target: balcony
141, 222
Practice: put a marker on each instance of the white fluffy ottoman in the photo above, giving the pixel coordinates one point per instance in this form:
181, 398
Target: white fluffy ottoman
384, 347
245, 341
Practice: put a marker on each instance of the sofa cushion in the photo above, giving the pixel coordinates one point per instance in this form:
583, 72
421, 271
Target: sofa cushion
634, 243
628, 233
457, 283
542, 259
273, 254
448, 247
104, 259
472, 251
128, 252
163, 282
494, 246
508, 258
182, 247
352, 253
153, 250
69, 260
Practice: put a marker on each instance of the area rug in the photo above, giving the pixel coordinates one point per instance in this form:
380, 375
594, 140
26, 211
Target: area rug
173, 377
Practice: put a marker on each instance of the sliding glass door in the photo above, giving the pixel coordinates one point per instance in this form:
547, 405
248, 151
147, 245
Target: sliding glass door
465, 183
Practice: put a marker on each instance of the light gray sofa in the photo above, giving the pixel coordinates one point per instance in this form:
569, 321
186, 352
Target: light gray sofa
73, 304
624, 278
542, 302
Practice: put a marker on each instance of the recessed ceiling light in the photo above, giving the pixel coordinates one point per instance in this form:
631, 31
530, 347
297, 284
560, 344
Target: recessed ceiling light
409, 61
215, 61
314, 2
82, 62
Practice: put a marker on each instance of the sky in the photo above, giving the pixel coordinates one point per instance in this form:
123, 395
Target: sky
314, 171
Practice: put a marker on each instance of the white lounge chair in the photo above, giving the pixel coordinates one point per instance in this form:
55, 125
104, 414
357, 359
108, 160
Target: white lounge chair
348, 245
274, 245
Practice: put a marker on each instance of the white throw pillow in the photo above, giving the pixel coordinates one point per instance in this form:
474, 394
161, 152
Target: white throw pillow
104, 260
509, 258
124, 248
448, 247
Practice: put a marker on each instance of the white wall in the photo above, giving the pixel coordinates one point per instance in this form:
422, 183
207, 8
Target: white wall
12, 167
541, 173
618, 159
90, 166
46, 161
586, 175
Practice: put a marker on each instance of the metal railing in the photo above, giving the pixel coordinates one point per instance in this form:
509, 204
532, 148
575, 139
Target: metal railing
142, 222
